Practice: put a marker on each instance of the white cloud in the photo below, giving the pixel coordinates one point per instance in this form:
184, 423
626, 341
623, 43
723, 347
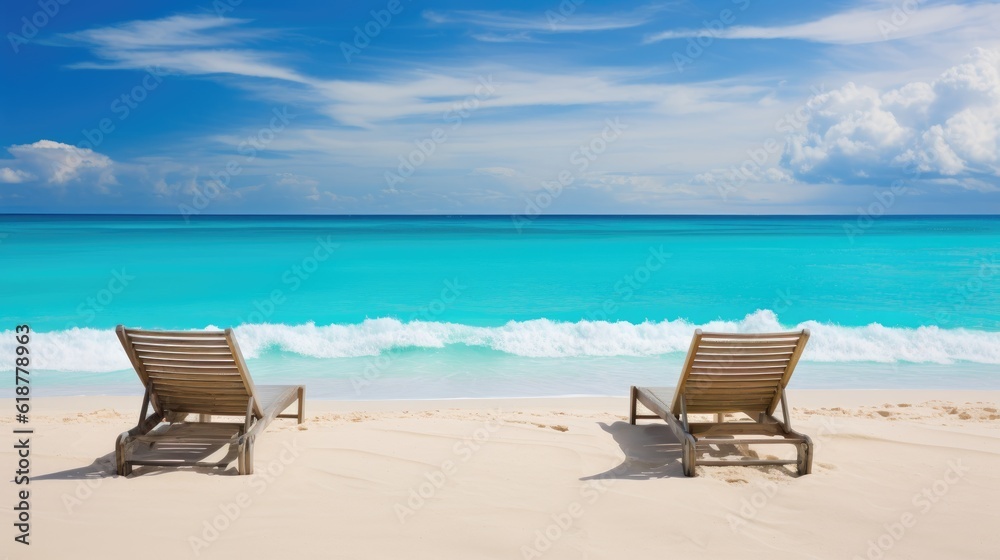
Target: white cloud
557, 20
450, 94
866, 25
948, 127
199, 45
8, 175
182, 44
518, 37
496, 171
55, 163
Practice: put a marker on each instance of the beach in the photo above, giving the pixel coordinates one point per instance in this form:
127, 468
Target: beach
448, 240
897, 474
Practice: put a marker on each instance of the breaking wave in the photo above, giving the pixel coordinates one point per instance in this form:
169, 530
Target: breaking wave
96, 350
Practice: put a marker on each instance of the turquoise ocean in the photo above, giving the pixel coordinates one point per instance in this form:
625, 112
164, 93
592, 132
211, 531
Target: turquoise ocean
445, 307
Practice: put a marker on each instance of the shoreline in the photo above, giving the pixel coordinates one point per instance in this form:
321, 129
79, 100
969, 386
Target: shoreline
796, 397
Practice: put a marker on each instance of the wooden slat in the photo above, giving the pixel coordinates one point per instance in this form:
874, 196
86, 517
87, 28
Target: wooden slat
749, 409
162, 384
201, 377
696, 384
207, 398
699, 429
747, 441
728, 410
184, 408
773, 346
723, 391
749, 336
740, 360
723, 377
185, 392
183, 347
137, 333
227, 362
763, 352
202, 395
222, 409
726, 406
177, 344
726, 401
736, 370
192, 371
720, 462
212, 354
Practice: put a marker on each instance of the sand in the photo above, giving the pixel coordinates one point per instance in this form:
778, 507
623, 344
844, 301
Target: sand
898, 474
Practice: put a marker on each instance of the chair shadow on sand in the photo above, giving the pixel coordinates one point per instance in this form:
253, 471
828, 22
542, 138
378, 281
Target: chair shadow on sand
104, 466
652, 451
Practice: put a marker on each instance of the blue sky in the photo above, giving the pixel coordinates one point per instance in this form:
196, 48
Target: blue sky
397, 106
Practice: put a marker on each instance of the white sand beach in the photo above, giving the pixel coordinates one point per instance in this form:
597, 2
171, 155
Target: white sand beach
898, 474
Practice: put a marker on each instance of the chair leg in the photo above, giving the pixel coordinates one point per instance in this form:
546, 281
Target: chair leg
302, 404
805, 458
632, 405
122, 466
248, 458
689, 458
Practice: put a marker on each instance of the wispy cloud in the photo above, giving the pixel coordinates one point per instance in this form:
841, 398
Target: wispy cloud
182, 44
437, 94
860, 26
193, 45
518, 37
523, 25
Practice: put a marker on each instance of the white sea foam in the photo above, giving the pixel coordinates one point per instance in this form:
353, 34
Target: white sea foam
93, 350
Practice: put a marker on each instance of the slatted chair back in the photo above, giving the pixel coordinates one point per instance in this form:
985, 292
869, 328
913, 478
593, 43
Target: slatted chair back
728, 372
191, 371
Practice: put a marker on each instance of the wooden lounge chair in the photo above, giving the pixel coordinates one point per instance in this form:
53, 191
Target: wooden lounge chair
197, 373
731, 373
